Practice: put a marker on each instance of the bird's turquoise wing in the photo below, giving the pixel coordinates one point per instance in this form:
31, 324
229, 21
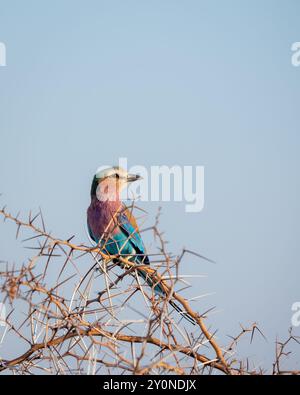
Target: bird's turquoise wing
134, 241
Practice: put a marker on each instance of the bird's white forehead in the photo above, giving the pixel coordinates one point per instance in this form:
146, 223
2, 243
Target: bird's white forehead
104, 171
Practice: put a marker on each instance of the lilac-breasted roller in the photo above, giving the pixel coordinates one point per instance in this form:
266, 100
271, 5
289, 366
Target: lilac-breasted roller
112, 226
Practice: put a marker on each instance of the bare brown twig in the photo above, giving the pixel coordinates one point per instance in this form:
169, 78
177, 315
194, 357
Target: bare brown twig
64, 334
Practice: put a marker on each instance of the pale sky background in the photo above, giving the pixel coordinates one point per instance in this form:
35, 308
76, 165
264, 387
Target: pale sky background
165, 82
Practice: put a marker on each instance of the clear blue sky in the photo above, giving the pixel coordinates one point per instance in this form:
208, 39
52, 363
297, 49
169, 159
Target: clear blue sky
165, 82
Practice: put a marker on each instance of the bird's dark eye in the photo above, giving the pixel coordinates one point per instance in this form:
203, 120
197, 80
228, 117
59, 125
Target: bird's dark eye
117, 176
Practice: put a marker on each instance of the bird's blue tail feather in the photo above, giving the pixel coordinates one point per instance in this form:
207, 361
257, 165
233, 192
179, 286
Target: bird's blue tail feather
158, 289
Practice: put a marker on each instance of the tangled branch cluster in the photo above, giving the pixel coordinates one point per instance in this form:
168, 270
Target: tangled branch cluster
125, 329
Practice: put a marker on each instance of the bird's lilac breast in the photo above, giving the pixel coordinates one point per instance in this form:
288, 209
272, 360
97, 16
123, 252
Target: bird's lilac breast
100, 216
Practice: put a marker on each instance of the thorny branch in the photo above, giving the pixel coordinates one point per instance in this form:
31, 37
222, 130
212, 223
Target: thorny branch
129, 329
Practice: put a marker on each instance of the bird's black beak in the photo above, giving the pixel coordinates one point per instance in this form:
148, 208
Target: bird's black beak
133, 177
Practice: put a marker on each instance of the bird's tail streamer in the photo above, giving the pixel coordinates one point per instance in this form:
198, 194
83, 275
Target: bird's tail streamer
154, 282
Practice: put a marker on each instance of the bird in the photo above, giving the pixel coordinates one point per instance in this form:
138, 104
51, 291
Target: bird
112, 226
